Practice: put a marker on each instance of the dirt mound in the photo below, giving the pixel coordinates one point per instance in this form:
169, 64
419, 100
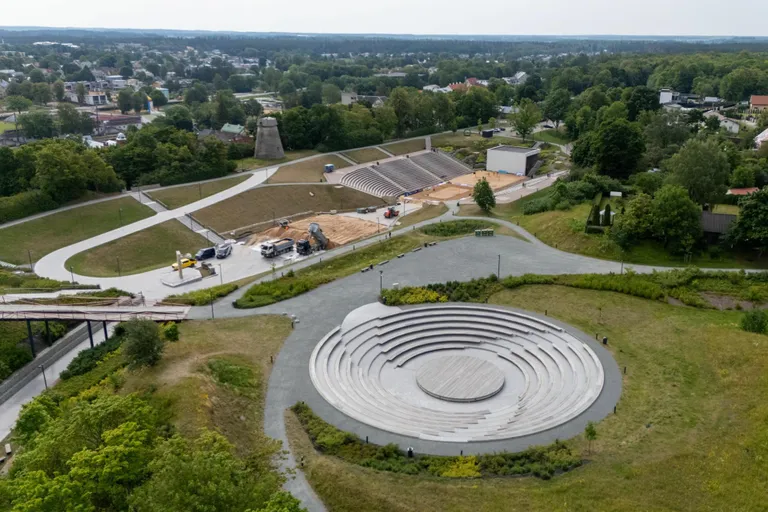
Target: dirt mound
338, 229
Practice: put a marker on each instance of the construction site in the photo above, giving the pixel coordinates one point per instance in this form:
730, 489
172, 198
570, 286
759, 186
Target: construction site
338, 229
461, 186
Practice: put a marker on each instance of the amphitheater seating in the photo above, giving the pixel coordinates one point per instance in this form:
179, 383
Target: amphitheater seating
404, 175
442, 166
353, 368
371, 182
409, 176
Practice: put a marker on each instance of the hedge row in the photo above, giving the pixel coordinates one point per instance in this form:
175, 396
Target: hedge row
684, 285
542, 461
283, 288
455, 227
202, 297
25, 204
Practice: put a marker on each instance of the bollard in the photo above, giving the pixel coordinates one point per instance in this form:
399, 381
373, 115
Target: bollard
614, 409
545, 312
605, 340
625, 370
366, 439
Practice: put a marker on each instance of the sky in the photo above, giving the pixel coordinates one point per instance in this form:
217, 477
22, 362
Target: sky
507, 17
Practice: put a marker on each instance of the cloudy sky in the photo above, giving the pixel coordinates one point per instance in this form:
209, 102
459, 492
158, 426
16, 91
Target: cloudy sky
545, 17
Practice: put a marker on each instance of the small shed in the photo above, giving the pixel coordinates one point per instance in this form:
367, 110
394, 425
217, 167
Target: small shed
715, 225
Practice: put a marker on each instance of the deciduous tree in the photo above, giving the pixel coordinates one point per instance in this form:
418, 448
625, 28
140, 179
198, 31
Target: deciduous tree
483, 195
702, 168
526, 118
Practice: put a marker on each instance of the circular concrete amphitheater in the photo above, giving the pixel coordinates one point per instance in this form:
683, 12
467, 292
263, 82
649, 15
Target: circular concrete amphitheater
458, 372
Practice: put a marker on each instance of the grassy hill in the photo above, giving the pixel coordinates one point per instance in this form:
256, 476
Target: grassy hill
265, 203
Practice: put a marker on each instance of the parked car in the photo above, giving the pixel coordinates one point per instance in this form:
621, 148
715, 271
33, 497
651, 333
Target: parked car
185, 263
204, 254
548, 126
223, 250
503, 129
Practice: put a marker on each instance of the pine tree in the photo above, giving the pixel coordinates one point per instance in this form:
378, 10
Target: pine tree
607, 215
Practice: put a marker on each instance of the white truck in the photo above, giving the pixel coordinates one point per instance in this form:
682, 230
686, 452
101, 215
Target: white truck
276, 248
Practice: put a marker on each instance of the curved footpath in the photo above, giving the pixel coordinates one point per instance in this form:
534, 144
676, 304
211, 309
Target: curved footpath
321, 310
52, 264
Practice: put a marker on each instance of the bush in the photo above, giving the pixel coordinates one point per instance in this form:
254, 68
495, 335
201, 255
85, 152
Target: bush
455, 227
25, 204
171, 331
269, 292
542, 461
239, 150
755, 321
542, 204
89, 358
143, 344
202, 297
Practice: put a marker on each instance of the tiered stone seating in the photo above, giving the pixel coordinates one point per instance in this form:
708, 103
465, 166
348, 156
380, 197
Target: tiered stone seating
441, 166
369, 181
409, 176
366, 370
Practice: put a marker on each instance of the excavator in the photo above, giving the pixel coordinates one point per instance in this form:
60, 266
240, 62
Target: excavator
304, 247
391, 212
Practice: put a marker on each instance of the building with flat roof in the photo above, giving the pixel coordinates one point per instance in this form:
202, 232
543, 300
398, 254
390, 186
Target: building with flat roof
512, 159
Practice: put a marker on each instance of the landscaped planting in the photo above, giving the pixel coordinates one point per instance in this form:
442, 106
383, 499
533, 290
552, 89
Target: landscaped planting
543, 462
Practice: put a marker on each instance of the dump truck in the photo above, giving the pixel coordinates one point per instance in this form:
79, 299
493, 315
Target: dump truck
391, 212
304, 247
272, 249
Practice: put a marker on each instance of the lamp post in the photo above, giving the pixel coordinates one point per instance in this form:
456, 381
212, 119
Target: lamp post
221, 274
71, 274
118, 267
42, 370
381, 282
498, 268
120, 213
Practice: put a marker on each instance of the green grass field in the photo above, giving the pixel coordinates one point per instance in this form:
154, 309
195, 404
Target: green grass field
246, 164
262, 203
426, 212
366, 155
184, 380
552, 135
564, 230
308, 171
406, 146
175, 197
44, 235
6, 126
689, 433
145, 250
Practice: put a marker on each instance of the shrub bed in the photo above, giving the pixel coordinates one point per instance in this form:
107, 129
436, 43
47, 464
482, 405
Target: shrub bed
202, 297
283, 288
475, 290
455, 227
90, 358
540, 461
684, 285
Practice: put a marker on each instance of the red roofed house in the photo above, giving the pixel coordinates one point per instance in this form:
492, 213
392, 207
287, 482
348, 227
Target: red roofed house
758, 103
741, 191
456, 86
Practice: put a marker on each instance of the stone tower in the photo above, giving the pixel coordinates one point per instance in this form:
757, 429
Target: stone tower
268, 145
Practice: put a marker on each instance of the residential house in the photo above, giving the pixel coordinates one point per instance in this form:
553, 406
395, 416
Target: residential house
114, 124
761, 137
731, 125
667, 96
519, 78
758, 103
348, 98
3, 87
741, 191
229, 133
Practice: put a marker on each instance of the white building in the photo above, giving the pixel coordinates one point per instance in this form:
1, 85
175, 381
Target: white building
731, 125
512, 159
668, 96
761, 137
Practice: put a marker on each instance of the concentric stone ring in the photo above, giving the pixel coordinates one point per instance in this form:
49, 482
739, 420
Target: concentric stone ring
455, 372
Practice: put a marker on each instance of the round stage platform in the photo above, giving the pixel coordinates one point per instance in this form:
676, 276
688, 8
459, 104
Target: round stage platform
456, 372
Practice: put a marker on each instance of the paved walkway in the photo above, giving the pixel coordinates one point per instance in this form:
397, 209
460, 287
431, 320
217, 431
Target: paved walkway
52, 265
